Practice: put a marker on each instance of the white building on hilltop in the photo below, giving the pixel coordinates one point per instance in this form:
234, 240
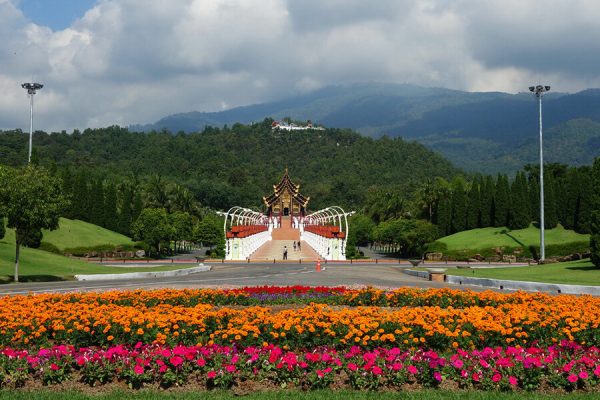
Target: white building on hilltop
277, 125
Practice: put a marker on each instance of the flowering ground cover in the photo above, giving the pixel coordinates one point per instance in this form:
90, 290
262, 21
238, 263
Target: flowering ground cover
307, 338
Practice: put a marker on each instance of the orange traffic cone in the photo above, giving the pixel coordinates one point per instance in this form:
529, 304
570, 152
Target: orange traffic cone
318, 265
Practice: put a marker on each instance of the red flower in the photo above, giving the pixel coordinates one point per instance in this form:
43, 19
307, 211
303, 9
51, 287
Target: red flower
176, 361
138, 369
54, 367
211, 374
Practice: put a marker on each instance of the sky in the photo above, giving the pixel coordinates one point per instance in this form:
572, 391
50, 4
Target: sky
121, 62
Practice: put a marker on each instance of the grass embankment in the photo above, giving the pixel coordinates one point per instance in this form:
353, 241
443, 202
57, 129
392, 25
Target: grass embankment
41, 266
75, 233
559, 241
581, 272
47, 394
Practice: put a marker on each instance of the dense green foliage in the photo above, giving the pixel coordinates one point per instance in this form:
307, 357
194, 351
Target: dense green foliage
231, 166
31, 199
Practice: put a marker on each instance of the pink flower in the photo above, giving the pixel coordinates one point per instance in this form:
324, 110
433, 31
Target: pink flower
54, 367
376, 370
572, 378
352, 367
201, 362
513, 380
496, 378
476, 376
163, 368
464, 373
583, 375
396, 366
320, 373
176, 361
597, 371
230, 368
211, 374
138, 369
457, 364
166, 353
437, 376
412, 369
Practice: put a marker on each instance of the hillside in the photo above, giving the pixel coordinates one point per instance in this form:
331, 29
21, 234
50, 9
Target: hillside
483, 132
239, 165
75, 233
483, 240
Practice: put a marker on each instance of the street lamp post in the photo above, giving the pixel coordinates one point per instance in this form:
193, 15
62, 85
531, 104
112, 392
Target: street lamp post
539, 92
31, 89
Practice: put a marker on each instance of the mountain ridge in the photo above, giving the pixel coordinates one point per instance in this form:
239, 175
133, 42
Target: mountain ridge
478, 131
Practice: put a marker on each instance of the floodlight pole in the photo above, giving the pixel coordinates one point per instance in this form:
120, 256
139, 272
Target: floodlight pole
539, 92
31, 90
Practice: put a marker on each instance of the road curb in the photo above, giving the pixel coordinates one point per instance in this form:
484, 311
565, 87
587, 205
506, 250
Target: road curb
139, 275
503, 284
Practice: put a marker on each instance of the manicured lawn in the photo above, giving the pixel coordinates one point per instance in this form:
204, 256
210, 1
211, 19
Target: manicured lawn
485, 238
581, 272
37, 265
74, 233
48, 394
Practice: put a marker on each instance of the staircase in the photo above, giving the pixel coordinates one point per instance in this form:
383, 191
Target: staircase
284, 236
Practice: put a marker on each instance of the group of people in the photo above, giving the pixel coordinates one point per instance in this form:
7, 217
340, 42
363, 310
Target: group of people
297, 247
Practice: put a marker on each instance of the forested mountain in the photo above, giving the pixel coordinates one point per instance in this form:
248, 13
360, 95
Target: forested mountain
482, 132
238, 165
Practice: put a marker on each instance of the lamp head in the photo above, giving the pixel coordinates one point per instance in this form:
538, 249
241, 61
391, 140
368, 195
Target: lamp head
532, 88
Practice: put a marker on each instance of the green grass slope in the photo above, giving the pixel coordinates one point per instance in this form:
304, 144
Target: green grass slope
42, 266
581, 272
75, 233
484, 241
484, 238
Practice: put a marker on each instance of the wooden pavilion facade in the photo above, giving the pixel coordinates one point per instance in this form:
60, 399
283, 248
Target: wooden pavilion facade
286, 199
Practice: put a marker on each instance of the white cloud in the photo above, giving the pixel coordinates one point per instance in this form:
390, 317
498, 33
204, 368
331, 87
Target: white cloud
135, 61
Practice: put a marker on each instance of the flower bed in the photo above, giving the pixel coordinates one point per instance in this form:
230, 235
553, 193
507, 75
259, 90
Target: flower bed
308, 337
567, 366
436, 319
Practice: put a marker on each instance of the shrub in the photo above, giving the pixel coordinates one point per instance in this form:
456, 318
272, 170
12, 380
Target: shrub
49, 247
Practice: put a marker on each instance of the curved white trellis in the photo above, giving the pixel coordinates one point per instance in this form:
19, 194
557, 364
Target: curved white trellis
327, 247
240, 248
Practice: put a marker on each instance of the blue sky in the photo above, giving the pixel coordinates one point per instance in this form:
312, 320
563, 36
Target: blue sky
55, 14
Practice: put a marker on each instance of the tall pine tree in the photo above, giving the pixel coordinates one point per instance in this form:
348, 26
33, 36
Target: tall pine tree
501, 201
550, 214
519, 205
444, 216
459, 206
97, 203
474, 205
583, 209
125, 215
110, 207
487, 202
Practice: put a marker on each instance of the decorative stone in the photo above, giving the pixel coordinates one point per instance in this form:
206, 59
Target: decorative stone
140, 253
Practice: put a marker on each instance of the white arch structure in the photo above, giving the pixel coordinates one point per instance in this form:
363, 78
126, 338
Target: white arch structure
329, 248
240, 248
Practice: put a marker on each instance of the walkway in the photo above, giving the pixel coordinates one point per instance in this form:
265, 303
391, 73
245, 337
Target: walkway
285, 236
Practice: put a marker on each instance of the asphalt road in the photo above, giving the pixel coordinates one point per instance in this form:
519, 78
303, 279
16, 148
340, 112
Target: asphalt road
232, 275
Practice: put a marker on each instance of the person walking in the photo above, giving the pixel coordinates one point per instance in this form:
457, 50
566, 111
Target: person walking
285, 252
294, 245
299, 249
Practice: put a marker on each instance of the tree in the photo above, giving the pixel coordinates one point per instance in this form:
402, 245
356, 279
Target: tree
487, 202
595, 238
152, 227
459, 206
209, 230
444, 216
473, 219
31, 200
110, 217
501, 201
2, 226
361, 229
182, 227
96, 215
550, 214
519, 208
